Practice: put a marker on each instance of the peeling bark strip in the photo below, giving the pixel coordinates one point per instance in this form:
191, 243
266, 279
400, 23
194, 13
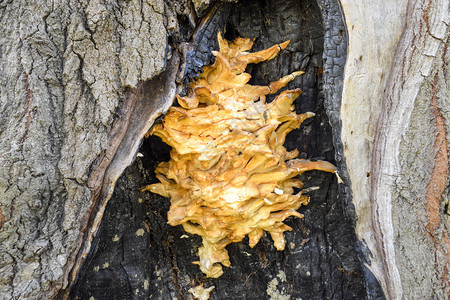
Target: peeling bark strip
413, 62
28, 94
439, 175
438, 184
29, 98
2, 218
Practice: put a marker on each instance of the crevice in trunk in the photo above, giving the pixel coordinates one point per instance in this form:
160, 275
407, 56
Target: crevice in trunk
136, 254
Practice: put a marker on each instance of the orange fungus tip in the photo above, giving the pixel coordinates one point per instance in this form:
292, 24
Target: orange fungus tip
229, 175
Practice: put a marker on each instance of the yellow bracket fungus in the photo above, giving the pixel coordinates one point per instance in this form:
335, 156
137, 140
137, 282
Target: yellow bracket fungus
229, 175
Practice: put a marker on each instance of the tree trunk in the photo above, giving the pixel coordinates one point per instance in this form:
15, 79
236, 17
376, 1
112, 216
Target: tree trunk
83, 81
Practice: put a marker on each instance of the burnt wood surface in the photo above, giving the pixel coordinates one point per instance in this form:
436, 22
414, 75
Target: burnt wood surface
137, 255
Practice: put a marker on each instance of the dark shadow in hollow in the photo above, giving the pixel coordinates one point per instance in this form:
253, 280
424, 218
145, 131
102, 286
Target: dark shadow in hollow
138, 255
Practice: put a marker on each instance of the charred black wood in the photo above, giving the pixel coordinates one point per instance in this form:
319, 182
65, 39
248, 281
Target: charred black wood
138, 255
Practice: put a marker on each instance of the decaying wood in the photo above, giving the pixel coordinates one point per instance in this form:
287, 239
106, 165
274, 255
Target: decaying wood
67, 74
326, 230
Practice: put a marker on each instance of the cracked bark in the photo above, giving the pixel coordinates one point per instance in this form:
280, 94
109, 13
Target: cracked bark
421, 66
74, 76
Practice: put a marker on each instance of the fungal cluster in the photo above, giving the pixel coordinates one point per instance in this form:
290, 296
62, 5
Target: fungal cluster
229, 175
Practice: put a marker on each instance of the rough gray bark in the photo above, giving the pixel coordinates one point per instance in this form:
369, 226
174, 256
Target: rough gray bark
69, 70
63, 68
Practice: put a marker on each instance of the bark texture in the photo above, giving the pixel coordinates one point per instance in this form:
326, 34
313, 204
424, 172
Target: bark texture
410, 162
63, 68
395, 114
75, 77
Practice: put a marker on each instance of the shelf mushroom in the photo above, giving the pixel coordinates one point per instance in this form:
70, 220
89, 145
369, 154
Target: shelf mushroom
229, 175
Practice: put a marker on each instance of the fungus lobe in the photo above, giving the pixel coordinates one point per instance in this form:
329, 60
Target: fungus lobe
229, 174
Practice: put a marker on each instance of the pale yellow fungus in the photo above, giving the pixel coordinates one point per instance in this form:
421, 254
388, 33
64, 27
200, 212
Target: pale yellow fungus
230, 175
